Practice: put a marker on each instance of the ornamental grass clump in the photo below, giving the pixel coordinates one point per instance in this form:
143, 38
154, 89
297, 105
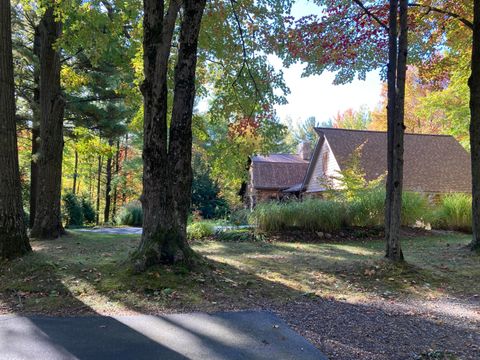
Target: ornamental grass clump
131, 214
308, 215
367, 208
454, 213
415, 207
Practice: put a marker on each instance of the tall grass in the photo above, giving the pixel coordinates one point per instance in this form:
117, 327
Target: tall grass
367, 209
311, 214
415, 207
454, 213
131, 214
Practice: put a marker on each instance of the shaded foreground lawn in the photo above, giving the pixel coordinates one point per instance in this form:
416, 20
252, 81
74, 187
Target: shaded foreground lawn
85, 273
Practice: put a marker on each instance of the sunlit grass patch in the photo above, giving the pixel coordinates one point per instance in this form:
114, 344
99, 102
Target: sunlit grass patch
91, 273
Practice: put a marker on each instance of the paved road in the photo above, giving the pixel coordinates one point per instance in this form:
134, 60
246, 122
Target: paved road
250, 335
138, 230
115, 230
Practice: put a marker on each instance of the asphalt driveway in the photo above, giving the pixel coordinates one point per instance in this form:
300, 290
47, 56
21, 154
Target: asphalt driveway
244, 335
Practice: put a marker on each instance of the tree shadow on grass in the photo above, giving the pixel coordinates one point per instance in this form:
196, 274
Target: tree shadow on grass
201, 336
342, 330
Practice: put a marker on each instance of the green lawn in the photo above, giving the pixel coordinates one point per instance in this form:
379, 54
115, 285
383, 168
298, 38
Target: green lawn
85, 273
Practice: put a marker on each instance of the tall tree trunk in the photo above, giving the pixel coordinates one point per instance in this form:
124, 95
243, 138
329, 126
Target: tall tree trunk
35, 131
125, 158
75, 174
13, 235
474, 83
34, 171
117, 168
108, 186
398, 50
167, 170
48, 222
99, 176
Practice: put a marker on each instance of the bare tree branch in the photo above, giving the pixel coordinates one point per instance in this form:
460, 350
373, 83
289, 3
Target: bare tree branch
371, 14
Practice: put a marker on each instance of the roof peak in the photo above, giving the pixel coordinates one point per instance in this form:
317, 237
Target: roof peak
377, 131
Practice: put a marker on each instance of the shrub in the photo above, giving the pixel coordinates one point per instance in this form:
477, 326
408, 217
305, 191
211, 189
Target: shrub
200, 230
240, 216
237, 235
131, 214
73, 210
89, 214
454, 213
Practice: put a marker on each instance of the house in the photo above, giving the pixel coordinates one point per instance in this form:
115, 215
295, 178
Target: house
433, 164
271, 175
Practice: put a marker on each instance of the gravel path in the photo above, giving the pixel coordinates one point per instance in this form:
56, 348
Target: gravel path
389, 329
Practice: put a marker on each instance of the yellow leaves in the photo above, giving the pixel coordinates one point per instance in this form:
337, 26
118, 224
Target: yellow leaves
72, 80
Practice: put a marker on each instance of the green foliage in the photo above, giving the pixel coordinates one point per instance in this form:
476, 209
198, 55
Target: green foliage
89, 214
310, 215
206, 197
353, 119
200, 230
73, 210
237, 235
415, 207
239, 216
454, 213
131, 214
351, 179
366, 209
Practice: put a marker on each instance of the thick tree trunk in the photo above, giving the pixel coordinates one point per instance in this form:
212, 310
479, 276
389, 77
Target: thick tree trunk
13, 234
474, 83
167, 170
108, 187
75, 174
397, 68
99, 177
48, 222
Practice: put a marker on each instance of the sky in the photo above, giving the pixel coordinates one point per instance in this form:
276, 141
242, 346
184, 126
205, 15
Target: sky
316, 95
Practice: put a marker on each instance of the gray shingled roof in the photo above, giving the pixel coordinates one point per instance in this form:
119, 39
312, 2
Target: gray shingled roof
278, 171
432, 163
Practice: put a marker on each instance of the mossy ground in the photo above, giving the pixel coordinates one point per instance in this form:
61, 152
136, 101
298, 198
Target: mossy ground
91, 273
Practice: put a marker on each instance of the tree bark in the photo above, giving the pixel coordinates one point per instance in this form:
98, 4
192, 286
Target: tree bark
108, 186
99, 176
167, 173
474, 84
398, 51
34, 171
117, 168
13, 234
75, 174
125, 158
48, 222
35, 132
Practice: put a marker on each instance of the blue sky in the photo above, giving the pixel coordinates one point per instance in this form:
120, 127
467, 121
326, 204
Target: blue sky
316, 95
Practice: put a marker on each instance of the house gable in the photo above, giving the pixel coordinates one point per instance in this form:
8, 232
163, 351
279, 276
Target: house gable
323, 167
